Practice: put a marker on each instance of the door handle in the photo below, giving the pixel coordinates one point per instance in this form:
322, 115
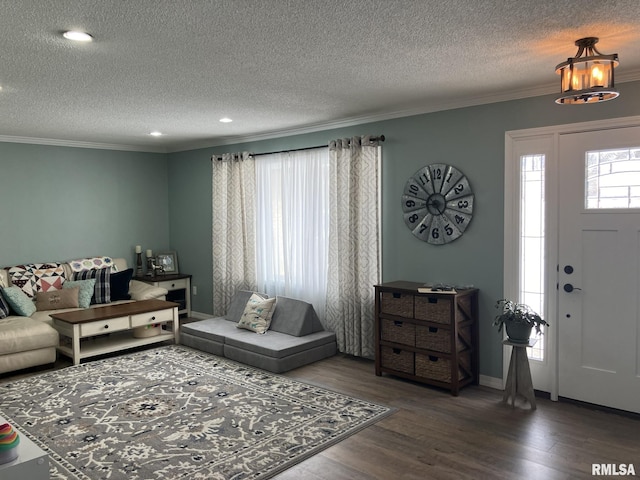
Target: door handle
567, 287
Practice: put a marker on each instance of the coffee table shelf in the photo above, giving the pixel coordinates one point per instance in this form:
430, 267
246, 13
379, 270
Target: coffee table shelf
94, 346
97, 331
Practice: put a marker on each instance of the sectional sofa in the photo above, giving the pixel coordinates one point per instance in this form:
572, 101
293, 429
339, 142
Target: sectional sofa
27, 341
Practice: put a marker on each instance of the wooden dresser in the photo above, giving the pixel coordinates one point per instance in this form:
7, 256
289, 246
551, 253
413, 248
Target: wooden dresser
427, 337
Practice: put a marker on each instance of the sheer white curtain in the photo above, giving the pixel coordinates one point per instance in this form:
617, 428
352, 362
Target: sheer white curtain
354, 239
233, 230
292, 224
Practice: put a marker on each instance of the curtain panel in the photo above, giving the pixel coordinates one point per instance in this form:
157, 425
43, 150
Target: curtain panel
233, 230
354, 243
292, 225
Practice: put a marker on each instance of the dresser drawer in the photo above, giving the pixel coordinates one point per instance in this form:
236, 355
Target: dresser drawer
174, 284
434, 309
158, 316
104, 326
438, 368
439, 339
398, 359
398, 332
399, 304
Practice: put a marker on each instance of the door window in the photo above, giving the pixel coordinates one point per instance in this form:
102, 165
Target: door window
613, 178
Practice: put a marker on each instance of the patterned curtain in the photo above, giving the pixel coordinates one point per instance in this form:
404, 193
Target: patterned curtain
354, 243
233, 233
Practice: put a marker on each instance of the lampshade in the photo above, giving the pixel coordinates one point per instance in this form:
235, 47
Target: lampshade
587, 77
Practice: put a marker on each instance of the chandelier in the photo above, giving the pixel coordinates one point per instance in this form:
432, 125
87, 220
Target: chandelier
587, 77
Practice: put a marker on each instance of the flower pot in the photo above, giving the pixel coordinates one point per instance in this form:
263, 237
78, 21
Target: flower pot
518, 332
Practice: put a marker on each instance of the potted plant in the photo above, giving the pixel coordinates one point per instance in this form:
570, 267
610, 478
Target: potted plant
518, 320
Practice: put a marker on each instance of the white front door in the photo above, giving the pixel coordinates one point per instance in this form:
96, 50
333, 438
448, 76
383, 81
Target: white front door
599, 267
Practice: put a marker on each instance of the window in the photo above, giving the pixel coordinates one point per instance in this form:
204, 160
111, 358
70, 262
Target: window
532, 247
613, 178
292, 225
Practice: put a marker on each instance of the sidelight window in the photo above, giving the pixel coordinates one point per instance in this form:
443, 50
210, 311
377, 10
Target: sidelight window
532, 246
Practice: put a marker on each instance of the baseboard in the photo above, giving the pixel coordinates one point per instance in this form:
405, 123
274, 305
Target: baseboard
200, 315
491, 382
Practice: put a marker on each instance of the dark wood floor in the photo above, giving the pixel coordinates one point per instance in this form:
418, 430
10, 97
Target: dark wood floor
434, 435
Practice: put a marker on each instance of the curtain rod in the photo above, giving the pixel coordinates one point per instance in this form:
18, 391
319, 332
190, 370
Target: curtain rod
379, 139
374, 139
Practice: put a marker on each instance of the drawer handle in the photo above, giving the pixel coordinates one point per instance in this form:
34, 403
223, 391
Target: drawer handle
153, 318
397, 295
106, 326
397, 351
433, 358
397, 323
433, 330
433, 300
173, 285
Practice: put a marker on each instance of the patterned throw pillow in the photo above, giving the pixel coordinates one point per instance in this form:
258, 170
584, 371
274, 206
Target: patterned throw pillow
65, 298
4, 307
86, 290
19, 301
257, 314
37, 277
93, 263
102, 289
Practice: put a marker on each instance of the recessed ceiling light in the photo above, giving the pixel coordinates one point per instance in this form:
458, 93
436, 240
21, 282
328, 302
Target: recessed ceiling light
226, 120
77, 36
156, 134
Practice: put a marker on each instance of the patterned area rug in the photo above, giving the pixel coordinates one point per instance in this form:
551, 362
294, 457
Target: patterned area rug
174, 412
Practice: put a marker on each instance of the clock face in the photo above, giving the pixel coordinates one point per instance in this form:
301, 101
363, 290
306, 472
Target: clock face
437, 203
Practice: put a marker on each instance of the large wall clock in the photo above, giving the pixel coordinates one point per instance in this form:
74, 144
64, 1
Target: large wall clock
437, 203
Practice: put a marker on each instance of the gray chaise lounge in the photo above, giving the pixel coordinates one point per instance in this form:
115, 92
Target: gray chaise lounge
295, 338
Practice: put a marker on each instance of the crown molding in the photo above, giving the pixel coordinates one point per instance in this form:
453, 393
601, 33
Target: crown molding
432, 107
370, 118
518, 94
78, 144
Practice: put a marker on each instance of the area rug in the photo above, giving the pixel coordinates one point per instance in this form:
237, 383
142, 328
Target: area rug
173, 412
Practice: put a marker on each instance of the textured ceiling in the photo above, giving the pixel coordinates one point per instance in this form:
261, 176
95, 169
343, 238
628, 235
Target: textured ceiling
280, 66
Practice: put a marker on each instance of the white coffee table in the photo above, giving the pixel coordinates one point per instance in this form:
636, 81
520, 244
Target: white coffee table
118, 321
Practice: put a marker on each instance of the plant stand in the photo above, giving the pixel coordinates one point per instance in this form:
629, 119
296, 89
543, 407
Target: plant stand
519, 376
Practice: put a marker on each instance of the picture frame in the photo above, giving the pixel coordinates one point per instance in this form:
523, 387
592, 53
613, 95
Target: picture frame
168, 260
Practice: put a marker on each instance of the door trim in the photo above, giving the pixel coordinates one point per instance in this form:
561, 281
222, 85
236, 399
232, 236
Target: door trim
515, 141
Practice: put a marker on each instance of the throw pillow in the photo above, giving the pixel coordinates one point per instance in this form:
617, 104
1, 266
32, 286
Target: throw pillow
19, 301
257, 314
4, 307
85, 293
93, 263
102, 289
65, 298
120, 284
37, 277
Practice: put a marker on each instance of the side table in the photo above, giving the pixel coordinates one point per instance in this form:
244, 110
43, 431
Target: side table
178, 285
32, 462
519, 376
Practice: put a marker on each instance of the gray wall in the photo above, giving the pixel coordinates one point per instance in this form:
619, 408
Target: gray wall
472, 139
61, 203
